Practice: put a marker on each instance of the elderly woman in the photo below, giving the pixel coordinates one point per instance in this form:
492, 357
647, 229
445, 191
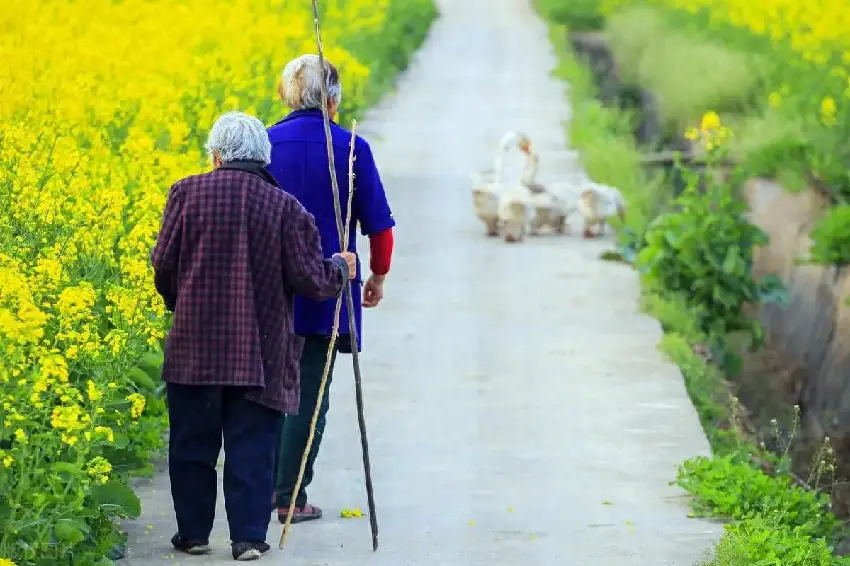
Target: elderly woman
300, 164
232, 252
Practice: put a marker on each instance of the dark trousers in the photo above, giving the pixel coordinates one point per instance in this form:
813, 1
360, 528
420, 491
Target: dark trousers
200, 417
294, 429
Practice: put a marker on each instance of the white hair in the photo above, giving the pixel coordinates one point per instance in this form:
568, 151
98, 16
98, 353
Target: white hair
236, 136
301, 83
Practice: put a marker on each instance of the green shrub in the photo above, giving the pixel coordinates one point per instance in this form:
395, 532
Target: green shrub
831, 237
763, 540
728, 486
574, 14
703, 250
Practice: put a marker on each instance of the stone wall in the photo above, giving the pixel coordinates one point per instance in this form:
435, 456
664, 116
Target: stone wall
813, 333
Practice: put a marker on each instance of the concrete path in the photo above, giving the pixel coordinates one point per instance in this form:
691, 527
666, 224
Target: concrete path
518, 410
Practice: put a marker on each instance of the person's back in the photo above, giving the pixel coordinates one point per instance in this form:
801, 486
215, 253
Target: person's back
300, 159
232, 251
299, 162
231, 282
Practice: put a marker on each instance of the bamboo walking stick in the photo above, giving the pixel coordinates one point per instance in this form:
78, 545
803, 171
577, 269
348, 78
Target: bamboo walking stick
328, 357
343, 231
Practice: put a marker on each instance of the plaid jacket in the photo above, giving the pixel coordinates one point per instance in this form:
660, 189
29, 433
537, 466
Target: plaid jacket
232, 252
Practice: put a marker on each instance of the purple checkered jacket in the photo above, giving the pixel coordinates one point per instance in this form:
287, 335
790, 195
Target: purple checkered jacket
232, 252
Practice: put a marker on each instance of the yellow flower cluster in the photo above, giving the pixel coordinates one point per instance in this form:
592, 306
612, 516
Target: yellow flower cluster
712, 134
99, 469
112, 105
103, 105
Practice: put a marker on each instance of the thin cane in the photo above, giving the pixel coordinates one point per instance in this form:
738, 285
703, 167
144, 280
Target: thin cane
325, 372
343, 232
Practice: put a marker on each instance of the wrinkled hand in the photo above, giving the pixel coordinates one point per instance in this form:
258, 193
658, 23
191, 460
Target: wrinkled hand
373, 291
351, 259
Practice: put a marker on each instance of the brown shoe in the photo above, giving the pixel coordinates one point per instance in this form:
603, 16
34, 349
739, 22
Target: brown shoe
300, 514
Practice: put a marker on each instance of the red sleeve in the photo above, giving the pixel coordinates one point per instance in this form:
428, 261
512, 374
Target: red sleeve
381, 251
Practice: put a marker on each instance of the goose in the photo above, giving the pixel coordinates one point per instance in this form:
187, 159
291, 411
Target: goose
549, 207
597, 204
553, 201
487, 184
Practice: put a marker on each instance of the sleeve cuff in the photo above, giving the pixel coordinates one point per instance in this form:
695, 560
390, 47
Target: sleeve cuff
343, 272
386, 224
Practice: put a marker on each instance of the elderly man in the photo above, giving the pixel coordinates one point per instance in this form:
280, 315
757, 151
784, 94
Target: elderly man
232, 252
300, 164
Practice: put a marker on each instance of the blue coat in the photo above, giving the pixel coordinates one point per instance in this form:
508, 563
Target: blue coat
300, 165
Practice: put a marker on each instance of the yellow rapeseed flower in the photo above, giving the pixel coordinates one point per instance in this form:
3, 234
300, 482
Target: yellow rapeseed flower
92, 391
137, 404
99, 469
710, 121
828, 111
774, 100
106, 432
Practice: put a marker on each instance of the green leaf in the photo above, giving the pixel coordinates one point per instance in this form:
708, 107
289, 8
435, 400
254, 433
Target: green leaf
151, 364
71, 531
120, 440
67, 468
673, 239
116, 495
5, 513
733, 261
141, 379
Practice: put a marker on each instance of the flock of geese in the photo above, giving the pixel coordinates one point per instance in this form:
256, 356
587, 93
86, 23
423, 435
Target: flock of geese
513, 208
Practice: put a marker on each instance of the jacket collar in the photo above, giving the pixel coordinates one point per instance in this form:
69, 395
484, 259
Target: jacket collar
308, 112
254, 168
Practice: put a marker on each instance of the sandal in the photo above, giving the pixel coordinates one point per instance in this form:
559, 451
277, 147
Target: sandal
300, 514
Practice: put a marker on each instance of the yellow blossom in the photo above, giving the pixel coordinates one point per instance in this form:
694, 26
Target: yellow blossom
137, 404
774, 100
93, 392
710, 121
106, 432
828, 111
99, 468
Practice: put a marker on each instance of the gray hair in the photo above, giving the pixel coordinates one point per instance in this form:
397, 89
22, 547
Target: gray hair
301, 83
236, 136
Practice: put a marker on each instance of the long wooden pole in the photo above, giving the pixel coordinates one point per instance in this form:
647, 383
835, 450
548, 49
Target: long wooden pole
343, 231
322, 385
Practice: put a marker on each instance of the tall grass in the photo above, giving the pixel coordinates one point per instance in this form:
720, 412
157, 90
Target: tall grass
687, 73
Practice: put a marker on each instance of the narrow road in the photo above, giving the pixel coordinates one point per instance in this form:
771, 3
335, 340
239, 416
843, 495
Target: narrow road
518, 410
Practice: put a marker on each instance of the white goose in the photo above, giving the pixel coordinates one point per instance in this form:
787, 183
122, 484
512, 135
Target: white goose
597, 204
549, 207
487, 188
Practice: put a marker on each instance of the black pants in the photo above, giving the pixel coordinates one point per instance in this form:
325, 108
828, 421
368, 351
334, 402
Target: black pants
294, 429
200, 417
